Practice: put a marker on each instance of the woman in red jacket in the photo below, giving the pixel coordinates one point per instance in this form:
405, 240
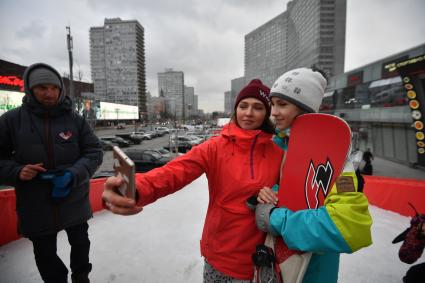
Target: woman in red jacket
237, 164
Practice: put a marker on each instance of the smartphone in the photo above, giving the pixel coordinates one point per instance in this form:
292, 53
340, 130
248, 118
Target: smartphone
124, 167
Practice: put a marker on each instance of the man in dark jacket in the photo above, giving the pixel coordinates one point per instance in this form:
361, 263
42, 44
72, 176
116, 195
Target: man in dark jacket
48, 153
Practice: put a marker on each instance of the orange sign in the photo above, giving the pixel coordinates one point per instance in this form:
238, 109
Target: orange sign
414, 104
411, 94
13, 81
408, 86
419, 125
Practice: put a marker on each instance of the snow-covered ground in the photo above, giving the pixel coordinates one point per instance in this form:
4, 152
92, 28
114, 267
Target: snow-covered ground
161, 244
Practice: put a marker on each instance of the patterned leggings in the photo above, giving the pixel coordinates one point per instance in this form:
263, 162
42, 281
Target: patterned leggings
211, 275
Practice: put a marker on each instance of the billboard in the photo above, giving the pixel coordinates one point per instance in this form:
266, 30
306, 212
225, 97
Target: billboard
114, 111
9, 100
92, 110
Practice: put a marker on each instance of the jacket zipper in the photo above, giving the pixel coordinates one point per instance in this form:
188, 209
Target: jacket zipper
51, 164
251, 161
48, 142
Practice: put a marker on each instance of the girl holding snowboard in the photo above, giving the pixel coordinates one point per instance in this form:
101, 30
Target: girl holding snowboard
342, 224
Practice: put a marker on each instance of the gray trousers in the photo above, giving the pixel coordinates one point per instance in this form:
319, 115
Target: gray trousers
211, 275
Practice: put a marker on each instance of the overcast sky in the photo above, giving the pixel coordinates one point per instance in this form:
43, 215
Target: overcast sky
204, 39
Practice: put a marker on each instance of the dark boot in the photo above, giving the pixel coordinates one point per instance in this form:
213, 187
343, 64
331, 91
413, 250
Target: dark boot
80, 277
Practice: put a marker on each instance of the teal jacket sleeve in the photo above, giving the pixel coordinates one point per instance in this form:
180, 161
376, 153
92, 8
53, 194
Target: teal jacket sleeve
342, 224
309, 230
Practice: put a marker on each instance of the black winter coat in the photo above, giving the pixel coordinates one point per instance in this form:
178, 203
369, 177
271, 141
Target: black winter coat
60, 139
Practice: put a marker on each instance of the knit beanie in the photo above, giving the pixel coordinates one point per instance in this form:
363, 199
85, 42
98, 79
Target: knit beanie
303, 87
43, 75
257, 90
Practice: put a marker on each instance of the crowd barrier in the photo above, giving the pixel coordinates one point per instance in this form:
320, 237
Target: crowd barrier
388, 193
8, 219
395, 194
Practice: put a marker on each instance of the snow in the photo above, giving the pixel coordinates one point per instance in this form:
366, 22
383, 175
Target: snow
161, 244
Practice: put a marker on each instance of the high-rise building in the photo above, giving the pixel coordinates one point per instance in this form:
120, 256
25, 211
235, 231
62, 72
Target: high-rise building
228, 103
309, 32
189, 101
117, 58
236, 86
197, 111
171, 86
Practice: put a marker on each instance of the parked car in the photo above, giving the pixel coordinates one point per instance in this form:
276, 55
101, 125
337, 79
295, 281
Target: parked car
146, 159
188, 139
131, 138
107, 145
163, 129
154, 134
166, 153
121, 126
120, 141
143, 135
182, 146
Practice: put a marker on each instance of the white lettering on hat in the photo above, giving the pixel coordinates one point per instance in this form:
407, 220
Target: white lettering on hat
262, 94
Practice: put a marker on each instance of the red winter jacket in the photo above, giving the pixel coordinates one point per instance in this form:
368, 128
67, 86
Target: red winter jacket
238, 163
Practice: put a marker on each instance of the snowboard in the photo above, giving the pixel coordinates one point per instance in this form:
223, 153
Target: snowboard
318, 147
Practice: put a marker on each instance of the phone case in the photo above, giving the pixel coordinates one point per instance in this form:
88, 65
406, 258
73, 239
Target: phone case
124, 167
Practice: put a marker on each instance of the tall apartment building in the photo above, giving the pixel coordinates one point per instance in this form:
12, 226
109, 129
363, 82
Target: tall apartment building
191, 107
309, 32
236, 86
171, 86
197, 111
228, 103
117, 58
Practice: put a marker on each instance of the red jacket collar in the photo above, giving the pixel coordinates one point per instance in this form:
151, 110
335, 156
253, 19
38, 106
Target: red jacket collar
231, 130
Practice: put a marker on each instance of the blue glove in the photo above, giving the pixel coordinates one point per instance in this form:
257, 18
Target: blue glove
61, 182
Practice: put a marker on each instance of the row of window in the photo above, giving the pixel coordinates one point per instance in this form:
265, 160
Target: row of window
366, 95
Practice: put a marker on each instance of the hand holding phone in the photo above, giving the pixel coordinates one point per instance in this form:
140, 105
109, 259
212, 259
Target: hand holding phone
124, 167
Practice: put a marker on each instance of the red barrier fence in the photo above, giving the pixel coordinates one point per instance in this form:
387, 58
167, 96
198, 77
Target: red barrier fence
8, 218
394, 194
387, 193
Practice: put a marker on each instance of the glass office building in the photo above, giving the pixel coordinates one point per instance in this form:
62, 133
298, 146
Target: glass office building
384, 104
309, 32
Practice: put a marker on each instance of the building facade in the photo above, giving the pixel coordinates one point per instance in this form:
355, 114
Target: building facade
236, 86
309, 32
117, 58
171, 86
384, 104
189, 101
228, 103
11, 79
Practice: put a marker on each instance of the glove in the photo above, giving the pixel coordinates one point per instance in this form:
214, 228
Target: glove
252, 202
262, 218
414, 241
61, 182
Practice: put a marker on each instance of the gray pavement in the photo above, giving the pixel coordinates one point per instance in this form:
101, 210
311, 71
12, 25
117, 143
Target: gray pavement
388, 168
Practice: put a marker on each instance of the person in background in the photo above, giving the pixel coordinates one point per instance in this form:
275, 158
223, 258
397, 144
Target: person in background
237, 163
367, 157
48, 153
342, 224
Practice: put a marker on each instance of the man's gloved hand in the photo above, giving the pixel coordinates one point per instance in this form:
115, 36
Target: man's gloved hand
262, 218
61, 182
414, 242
